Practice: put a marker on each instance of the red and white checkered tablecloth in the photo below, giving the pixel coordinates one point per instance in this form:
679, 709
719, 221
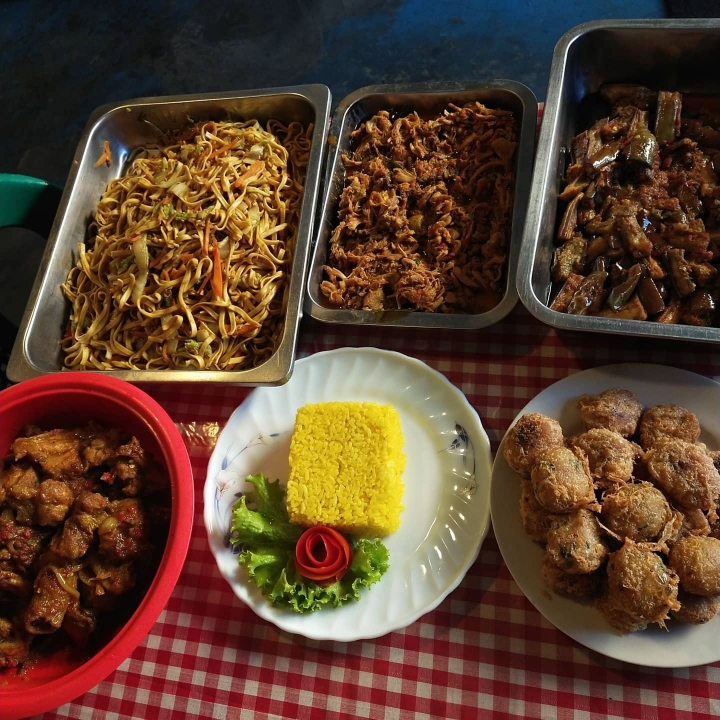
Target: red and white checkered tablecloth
484, 652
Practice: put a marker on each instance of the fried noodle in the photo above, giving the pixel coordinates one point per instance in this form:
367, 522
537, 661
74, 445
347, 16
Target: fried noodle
187, 262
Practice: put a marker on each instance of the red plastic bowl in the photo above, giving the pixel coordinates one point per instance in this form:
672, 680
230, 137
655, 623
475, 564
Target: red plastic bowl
69, 400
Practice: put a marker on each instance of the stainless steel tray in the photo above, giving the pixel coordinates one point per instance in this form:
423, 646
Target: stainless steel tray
662, 54
424, 97
126, 126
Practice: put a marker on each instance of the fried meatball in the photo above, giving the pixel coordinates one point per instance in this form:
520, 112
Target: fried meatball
636, 511
694, 522
577, 546
561, 481
667, 421
640, 586
531, 434
616, 410
566, 584
685, 472
696, 560
715, 529
617, 617
611, 457
536, 520
696, 609
715, 457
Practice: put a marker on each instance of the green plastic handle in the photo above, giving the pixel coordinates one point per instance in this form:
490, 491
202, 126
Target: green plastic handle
28, 202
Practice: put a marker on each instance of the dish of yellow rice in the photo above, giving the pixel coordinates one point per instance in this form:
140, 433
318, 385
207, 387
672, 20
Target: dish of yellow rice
346, 465
376, 444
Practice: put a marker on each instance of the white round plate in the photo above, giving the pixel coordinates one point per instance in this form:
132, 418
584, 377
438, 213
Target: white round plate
682, 645
447, 485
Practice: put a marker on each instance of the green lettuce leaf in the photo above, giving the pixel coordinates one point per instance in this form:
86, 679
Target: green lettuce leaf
268, 497
266, 539
269, 523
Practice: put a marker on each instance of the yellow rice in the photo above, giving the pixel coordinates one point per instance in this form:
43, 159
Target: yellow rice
346, 465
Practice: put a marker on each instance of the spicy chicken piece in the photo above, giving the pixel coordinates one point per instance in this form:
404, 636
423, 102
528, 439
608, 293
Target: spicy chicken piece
696, 560
102, 446
530, 435
536, 520
13, 582
20, 484
131, 460
105, 576
75, 537
641, 589
639, 512
611, 457
59, 452
685, 473
78, 532
577, 546
80, 622
123, 533
561, 481
614, 409
696, 609
667, 421
54, 589
23, 543
54, 500
14, 643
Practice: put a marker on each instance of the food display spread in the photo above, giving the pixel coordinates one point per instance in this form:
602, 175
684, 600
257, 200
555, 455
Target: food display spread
188, 255
639, 234
316, 543
627, 510
425, 215
84, 515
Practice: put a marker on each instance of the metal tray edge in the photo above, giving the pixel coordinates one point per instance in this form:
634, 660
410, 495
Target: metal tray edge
272, 372
545, 155
526, 152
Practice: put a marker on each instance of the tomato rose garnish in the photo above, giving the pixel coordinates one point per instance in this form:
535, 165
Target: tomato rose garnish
322, 554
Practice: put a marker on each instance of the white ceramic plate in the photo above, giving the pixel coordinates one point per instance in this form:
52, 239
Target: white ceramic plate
683, 645
447, 485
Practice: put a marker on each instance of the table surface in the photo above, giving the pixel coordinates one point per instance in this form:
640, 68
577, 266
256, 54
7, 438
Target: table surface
483, 649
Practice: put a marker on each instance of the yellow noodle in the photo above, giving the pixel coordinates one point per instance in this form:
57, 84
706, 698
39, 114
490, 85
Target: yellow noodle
239, 183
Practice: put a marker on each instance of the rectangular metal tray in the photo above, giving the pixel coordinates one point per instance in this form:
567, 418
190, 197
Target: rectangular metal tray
662, 54
426, 98
126, 126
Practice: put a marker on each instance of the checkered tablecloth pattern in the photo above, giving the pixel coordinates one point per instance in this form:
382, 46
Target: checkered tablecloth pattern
484, 652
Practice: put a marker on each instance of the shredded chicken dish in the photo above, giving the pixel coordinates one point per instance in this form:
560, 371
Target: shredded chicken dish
424, 217
639, 236
84, 515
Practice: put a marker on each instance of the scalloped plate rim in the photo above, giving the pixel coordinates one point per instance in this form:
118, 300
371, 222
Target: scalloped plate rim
598, 635
483, 455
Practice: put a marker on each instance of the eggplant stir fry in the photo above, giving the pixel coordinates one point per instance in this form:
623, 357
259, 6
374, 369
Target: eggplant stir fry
84, 516
639, 235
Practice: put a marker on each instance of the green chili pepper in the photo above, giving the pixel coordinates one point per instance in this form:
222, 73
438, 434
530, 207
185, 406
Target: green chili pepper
643, 148
667, 119
622, 292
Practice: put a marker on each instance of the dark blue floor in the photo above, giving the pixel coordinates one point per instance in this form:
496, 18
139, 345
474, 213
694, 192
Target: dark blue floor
60, 60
